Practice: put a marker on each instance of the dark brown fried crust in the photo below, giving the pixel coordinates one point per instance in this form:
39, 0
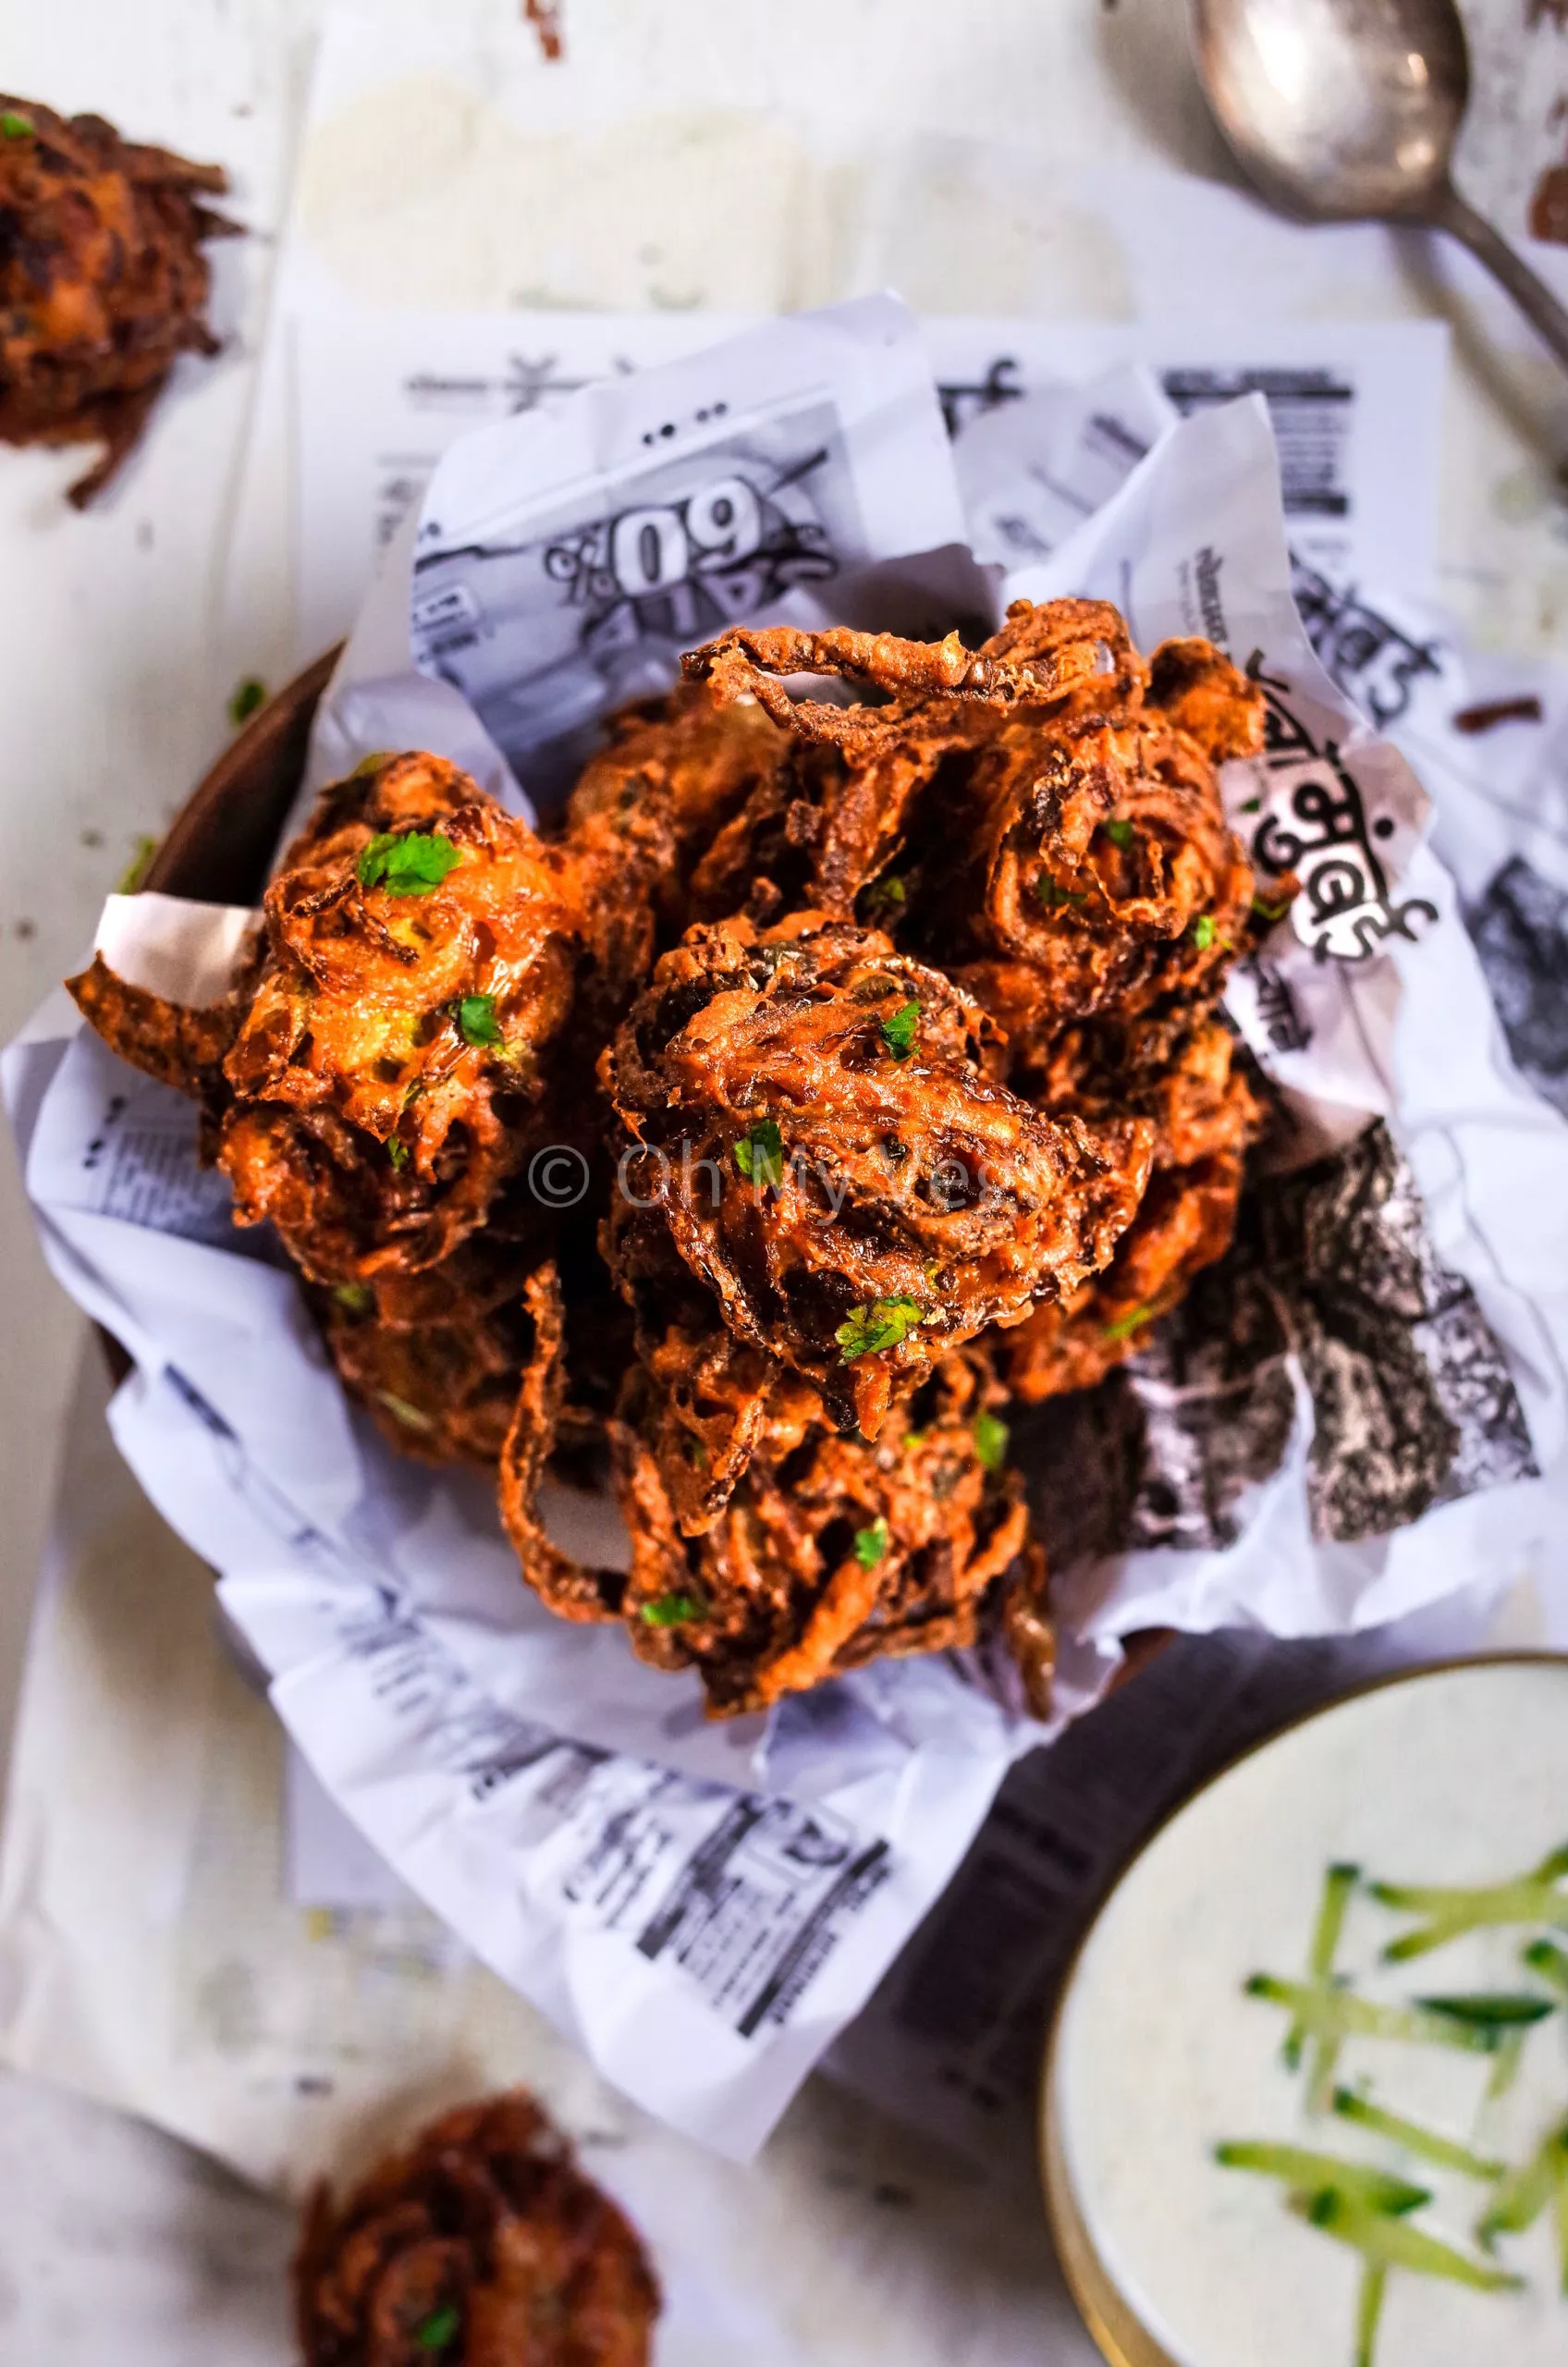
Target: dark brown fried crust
913, 1179
564, 1586
175, 1044
102, 280
484, 2246
830, 1551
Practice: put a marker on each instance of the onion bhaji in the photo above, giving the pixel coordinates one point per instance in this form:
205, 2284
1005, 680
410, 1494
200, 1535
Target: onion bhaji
830, 1551
811, 1116
418, 958
483, 2245
887, 1037
102, 280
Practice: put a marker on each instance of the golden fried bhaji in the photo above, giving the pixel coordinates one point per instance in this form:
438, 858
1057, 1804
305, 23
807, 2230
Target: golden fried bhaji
830, 1551
102, 280
811, 1116
482, 2246
925, 1103
419, 949
1039, 819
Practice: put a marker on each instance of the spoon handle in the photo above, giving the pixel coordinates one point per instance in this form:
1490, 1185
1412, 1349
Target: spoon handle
1533, 298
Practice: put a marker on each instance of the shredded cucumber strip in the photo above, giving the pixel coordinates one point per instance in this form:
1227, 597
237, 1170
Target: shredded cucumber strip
1308, 2172
1425, 2143
1388, 2242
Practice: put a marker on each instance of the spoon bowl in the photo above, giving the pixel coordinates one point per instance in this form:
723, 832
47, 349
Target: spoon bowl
1348, 110
1341, 110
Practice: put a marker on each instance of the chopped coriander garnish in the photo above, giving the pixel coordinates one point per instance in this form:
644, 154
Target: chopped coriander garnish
401, 1411
914, 1438
672, 1610
881, 1325
1051, 893
397, 1152
1121, 834
15, 126
1265, 911
410, 866
759, 1154
1128, 1322
990, 1435
371, 764
872, 1544
244, 700
358, 1298
889, 892
899, 1031
477, 1023
1441, 2151
1326, 2174
1203, 931
1253, 805
440, 2328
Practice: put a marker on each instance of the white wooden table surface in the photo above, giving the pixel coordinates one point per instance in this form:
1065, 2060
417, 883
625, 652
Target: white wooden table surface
118, 650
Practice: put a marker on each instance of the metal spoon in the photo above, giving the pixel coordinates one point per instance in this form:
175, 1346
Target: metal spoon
1347, 110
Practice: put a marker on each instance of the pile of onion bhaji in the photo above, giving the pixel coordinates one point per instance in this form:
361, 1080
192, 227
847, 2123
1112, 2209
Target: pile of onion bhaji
102, 279
881, 1030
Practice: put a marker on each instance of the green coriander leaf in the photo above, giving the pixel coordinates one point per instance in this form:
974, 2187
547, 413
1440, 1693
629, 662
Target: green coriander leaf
889, 892
1128, 1323
15, 126
1264, 911
358, 1298
1051, 893
397, 1152
401, 1411
244, 700
870, 1329
914, 1438
672, 1610
901, 1031
440, 2328
872, 1544
1121, 834
477, 1023
1203, 931
1253, 805
759, 1154
372, 764
990, 1436
411, 865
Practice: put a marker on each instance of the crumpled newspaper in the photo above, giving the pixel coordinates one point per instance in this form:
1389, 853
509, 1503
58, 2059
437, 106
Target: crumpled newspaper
701, 1908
